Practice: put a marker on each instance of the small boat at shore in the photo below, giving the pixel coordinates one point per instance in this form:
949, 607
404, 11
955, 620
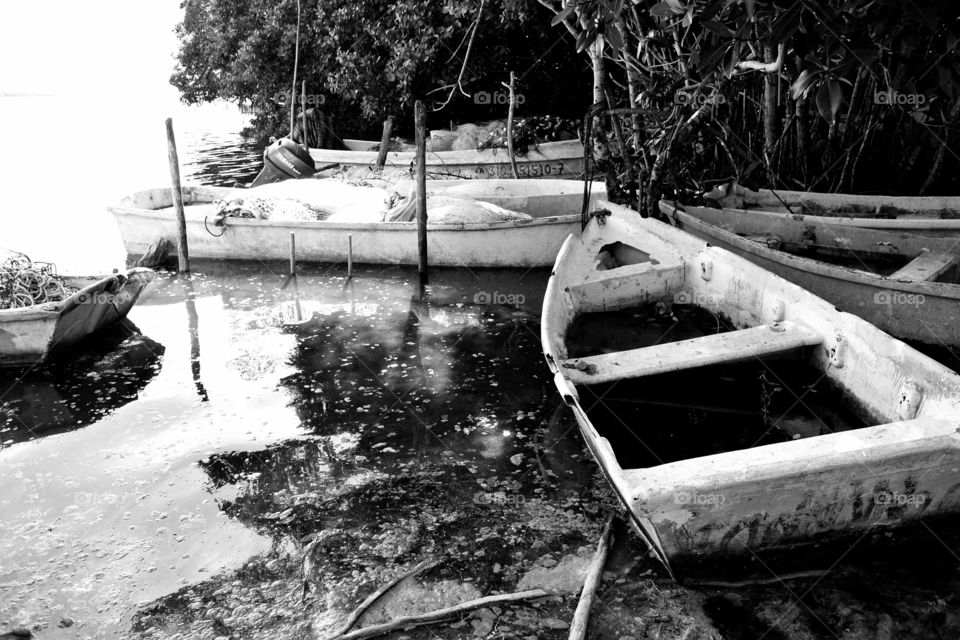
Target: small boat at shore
923, 215
561, 160
897, 467
543, 214
904, 283
36, 334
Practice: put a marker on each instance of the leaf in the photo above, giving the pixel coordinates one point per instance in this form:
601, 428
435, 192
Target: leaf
563, 15
749, 4
614, 38
661, 10
802, 84
710, 56
730, 63
586, 38
786, 25
718, 28
677, 6
829, 97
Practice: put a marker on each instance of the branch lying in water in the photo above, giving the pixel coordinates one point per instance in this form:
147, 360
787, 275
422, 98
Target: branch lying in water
373, 597
438, 615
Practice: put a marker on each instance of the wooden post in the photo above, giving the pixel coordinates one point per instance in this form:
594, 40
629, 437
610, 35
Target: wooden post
183, 254
384, 142
349, 255
293, 254
513, 157
420, 116
303, 114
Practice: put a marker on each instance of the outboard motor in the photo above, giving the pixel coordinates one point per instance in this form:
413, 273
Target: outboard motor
282, 160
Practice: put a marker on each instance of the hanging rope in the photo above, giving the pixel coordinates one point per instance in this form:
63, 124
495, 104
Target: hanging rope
592, 112
293, 92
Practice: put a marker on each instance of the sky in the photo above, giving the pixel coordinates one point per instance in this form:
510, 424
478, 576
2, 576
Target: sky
107, 64
84, 48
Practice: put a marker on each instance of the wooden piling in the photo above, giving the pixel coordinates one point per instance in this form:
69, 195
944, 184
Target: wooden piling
349, 255
385, 142
293, 254
183, 254
420, 116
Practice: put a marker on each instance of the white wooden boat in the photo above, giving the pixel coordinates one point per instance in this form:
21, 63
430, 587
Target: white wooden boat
554, 206
905, 284
772, 497
551, 160
925, 215
35, 335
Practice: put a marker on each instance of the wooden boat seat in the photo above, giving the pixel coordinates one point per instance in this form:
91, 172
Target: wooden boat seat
733, 346
926, 267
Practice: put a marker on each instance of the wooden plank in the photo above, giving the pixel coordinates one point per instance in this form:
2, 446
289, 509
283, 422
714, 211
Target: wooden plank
733, 346
926, 267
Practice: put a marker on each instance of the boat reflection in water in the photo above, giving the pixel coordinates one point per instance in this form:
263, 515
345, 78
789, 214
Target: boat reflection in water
82, 387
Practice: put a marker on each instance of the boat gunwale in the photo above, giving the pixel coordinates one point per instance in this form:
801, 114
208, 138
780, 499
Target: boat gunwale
810, 265
121, 209
554, 151
56, 309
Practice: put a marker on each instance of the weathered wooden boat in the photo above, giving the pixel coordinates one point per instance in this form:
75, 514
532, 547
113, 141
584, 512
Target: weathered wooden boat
551, 160
553, 205
904, 283
925, 215
37, 334
774, 497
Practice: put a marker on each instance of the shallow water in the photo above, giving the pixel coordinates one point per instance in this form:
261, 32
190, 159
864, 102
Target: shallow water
114, 465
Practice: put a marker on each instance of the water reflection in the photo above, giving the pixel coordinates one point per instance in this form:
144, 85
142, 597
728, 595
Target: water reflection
79, 389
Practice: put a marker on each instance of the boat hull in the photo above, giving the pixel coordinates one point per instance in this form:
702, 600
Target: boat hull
35, 335
522, 243
927, 312
777, 497
550, 160
922, 215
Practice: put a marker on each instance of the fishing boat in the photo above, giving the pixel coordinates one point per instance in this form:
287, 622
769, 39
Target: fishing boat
906, 284
550, 211
37, 334
561, 160
898, 467
925, 215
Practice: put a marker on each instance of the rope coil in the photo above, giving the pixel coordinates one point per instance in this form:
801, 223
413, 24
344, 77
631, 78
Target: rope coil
24, 283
